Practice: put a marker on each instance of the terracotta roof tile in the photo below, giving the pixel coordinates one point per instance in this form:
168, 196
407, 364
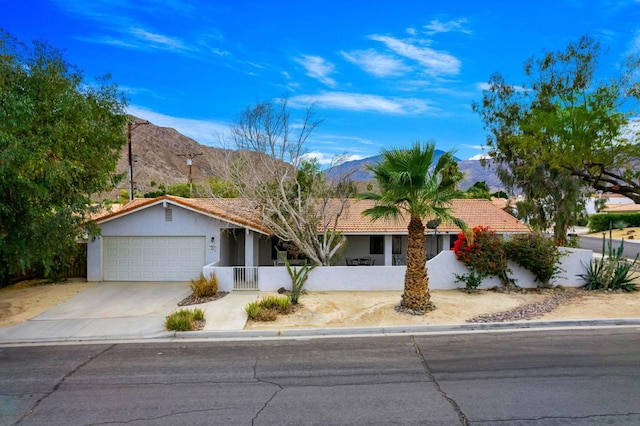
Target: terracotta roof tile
474, 212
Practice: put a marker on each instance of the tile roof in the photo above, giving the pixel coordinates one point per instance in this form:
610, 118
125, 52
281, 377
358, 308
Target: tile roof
621, 208
474, 212
233, 210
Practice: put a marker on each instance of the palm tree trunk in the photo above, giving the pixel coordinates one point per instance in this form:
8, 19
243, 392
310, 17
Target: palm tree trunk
416, 283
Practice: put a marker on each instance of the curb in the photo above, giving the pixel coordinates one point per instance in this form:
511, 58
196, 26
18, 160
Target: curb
312, 333
406, 330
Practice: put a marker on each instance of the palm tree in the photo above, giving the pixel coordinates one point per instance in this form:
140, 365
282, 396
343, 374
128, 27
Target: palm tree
411, 186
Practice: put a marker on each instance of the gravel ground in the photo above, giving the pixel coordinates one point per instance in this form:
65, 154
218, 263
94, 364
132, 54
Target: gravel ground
532, 310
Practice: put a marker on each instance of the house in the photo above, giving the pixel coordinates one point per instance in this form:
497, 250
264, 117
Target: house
172, 239
621, 208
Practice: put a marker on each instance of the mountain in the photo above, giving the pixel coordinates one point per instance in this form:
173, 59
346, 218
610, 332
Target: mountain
160, 157
161, 152
473, 169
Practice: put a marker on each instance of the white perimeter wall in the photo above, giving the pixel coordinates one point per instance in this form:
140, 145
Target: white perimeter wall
442, 271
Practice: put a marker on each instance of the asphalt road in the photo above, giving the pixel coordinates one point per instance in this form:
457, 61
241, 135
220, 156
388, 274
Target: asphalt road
631, 249
583, 377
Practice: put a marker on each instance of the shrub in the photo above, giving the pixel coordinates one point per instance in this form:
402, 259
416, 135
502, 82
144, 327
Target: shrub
620, 224
471, 281
535, 252
482, 252
603, 221
612, 271
267, 315
268, 308
252, 310
183, 320
281, 305
198, 314
205, 287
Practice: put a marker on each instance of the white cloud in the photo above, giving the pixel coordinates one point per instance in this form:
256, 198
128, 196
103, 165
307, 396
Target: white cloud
205, 132
362, 102
434, 61
318, 68
325, 159
436, 26
158, 41
375, 63
480, 157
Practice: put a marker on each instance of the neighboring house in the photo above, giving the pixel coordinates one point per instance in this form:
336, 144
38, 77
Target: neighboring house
605, 199
172, 238
621, 208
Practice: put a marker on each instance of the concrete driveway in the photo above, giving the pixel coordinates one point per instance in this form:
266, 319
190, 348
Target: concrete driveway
108, 310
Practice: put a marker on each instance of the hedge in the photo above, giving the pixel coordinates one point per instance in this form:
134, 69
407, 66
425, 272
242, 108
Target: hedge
602, 221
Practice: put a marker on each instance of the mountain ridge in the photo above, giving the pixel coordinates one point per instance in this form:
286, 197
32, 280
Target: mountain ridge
160, 155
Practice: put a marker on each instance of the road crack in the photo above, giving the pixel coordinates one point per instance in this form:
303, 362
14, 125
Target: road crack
454, 404
537, 419
61, 381
268, 401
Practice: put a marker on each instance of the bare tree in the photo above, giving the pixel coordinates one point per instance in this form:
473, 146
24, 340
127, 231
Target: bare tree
270, 170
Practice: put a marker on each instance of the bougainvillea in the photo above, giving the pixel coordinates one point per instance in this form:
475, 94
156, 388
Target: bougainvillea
482, 251
535, 252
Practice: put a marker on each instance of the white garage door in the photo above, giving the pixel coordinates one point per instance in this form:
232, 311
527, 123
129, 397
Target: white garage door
153, 258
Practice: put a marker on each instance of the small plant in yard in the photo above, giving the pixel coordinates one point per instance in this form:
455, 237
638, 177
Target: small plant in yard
205, 287
268, 308
252, 310
471, 281
620, 224
537, 253
281, 305
298, 276
184, 320
612, 271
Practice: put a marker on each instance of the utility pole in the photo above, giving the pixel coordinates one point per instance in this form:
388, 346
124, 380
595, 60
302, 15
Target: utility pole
130, 127
189, 157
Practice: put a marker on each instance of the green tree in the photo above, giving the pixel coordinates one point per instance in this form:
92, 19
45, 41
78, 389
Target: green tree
60, 139
410, 185
478, 190
565, 119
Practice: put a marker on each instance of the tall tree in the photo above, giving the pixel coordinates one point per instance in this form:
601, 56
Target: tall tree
272, 172
411, 185
60, 140
567, 121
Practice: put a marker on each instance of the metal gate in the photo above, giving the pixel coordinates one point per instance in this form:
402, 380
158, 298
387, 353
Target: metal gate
245, 278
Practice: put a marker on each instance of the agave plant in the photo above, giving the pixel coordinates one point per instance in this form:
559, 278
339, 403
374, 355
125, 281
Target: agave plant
612, 271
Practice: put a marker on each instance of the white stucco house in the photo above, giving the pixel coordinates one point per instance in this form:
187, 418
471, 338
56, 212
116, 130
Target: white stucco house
174, 239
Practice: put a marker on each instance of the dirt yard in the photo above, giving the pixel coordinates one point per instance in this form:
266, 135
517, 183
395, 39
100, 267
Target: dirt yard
28, 299
371, 309
356, 309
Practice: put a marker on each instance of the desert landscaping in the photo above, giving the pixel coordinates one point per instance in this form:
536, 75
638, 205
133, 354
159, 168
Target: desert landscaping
28, 299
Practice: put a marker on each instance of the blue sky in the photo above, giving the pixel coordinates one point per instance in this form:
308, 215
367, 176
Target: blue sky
380, 73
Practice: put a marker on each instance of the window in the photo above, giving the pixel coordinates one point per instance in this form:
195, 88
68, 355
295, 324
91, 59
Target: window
376, 244
396, 246
168, 214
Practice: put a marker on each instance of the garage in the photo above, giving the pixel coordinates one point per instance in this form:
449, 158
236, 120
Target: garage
153, 258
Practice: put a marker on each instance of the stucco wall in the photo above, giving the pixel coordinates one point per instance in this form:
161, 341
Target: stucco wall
442, 270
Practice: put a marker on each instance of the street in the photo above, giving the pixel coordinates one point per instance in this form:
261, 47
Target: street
581, 377
631, 249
